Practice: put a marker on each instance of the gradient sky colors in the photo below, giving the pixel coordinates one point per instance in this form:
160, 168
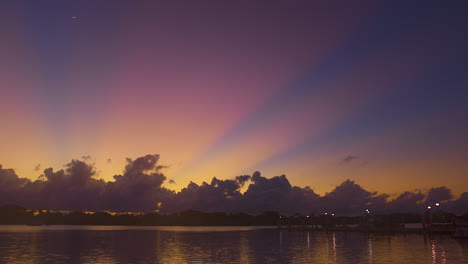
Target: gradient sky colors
376, 93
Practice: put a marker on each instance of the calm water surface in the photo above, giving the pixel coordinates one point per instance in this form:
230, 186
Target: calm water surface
111, 244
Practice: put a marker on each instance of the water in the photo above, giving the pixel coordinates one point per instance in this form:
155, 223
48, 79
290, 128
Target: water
110, 244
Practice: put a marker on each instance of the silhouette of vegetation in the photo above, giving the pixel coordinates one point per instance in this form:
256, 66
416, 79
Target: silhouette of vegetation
14, 214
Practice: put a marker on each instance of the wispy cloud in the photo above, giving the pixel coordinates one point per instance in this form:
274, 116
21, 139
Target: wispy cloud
348, 159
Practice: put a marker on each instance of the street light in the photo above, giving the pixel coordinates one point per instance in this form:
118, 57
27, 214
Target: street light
430, 215
437, 204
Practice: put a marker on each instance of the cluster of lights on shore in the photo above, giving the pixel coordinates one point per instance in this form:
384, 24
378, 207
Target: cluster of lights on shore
368, 211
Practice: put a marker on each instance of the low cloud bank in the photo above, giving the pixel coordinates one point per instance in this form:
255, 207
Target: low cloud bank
139, 189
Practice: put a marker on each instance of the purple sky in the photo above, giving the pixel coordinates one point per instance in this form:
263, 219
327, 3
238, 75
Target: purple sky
375, 93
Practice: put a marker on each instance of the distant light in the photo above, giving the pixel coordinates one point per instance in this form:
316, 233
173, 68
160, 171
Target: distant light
437, 204
367, 211
333, 214
307, 216
429, 207
326, 213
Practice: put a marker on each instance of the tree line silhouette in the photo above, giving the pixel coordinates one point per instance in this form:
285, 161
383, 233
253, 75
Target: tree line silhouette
14, 214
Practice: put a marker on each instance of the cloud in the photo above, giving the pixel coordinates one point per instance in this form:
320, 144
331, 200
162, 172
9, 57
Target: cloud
277, 194
11, 186
219, 195
350, 198
140, 189
437, 195
73, 188
348, 159
109, 161
460, 205
407, 202
86, 158
37, 167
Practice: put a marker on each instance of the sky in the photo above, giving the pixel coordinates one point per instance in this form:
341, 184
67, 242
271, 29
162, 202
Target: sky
372, 92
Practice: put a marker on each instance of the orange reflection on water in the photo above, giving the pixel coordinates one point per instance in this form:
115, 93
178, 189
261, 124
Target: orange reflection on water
105, 244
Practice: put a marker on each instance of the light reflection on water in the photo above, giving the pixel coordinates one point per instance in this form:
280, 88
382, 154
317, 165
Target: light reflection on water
97, 244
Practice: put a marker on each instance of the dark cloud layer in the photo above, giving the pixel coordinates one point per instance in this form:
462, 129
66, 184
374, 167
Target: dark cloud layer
139, 189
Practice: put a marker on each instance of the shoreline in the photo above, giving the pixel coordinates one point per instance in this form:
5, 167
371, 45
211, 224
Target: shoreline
288, 228
373, 230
